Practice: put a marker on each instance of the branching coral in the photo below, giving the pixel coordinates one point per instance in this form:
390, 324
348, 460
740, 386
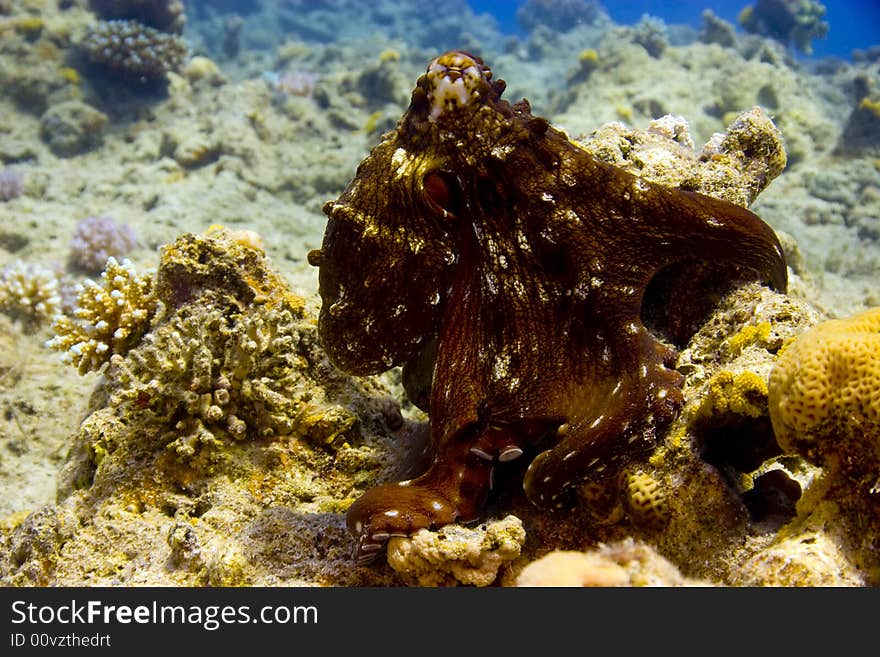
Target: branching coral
109, 318
208, 375
132, 49
30, 292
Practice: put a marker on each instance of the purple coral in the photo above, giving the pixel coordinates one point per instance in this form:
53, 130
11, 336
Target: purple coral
297, 83
98, 238
11, 184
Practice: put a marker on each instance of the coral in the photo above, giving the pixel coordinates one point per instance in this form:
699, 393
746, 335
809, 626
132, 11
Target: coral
457, 554
742, 393
72, 127
294, 83
735, 165
861, 132
97, 238
795, 22
109, 317
130, 49
717, 30
11, 184
623, 563
645, 497
651, 33
164, 15
824, 396
812, 558
29, 292
203, 68
560, 16
210, 348
753, 145
208, 376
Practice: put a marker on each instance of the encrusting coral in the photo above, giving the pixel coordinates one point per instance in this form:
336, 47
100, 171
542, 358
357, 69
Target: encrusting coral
456, 554
623, 563
735, 165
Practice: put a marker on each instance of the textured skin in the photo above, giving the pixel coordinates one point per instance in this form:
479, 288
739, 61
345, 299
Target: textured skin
505, 267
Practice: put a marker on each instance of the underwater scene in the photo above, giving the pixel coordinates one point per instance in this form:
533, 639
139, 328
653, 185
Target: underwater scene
330, 293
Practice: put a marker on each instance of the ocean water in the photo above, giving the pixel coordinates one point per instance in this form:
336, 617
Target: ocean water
853, 24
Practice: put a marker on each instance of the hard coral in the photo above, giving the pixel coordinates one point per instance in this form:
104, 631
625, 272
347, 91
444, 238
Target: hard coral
624, 563
109, 318
131, 49
72, 127
97, 238
456, 554
824, 397
29, 292
207, 377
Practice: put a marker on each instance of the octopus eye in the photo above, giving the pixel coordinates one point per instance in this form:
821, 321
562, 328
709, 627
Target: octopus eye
441, 188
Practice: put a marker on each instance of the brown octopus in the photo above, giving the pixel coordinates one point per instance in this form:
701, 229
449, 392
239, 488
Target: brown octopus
505, 268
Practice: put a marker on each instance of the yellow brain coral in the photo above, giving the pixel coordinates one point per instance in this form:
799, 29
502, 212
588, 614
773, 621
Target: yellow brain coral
824, 395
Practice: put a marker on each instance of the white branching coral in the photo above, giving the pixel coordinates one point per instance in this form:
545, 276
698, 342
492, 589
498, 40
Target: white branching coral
30, 292
110, 317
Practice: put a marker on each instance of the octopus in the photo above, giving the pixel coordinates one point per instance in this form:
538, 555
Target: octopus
505, 269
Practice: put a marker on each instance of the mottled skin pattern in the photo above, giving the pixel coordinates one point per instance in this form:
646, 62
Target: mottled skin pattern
505, 267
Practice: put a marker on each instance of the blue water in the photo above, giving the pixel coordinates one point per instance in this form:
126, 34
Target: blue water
853, 24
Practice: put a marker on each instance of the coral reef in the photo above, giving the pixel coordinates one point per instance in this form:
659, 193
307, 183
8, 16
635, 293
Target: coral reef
133, 50
72, 127
11, 184
623, 563
108, 319
30, 292
223, 430
125, 497
795, 22
651, 34
457, 555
